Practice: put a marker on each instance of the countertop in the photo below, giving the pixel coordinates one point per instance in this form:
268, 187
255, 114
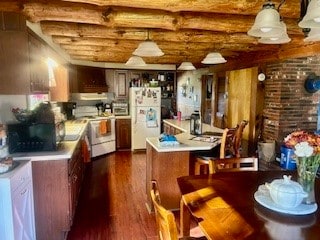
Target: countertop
11, 173
186, 140
65, 148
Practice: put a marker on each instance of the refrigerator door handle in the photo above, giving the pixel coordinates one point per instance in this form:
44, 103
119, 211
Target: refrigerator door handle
136, 115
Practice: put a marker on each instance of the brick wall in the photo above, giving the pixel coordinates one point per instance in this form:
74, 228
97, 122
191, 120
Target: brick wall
288, 106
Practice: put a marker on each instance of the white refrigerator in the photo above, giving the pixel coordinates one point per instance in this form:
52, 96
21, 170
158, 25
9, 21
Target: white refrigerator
145, 107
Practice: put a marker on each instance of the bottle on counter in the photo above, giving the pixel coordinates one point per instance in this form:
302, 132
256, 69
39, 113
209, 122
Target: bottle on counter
179, 115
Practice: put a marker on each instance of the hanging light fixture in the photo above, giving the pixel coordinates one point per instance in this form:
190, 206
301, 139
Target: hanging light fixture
136, 61
314, 35
213, 58
282, 38
312, 17
148, 48
267, 23
186, 66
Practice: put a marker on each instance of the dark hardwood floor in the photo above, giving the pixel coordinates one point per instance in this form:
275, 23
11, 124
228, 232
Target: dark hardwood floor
112, 200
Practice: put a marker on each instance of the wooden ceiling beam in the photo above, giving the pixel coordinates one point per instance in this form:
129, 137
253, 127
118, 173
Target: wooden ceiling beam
243, 7
142, 18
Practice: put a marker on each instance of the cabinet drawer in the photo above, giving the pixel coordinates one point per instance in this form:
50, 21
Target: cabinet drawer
23, 175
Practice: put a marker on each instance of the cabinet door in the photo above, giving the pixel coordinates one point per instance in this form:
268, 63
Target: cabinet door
91, 79
14, 68
121, 83
23, 219
123, 133
39, 75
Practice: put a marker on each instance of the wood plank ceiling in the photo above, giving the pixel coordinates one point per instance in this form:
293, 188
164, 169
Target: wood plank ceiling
186, 30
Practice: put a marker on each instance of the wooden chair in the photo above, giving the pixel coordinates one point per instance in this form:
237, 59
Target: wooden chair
166, 224
233, 164
226, 149
230, 147
238, 138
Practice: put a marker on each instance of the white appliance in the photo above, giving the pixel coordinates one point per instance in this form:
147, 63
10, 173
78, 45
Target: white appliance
145, 105
101, 143
16, 203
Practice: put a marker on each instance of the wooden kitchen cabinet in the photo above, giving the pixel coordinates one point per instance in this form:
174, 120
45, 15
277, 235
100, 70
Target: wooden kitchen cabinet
14, 54
168, 129
39, 75
121, 84
88, 79
56, 186
123, 133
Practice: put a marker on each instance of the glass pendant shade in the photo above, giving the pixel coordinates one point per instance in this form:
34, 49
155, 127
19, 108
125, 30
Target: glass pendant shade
312, 17
213, 58
314, 35
186, 66
136, 61
267, 22
282, 38
148, 48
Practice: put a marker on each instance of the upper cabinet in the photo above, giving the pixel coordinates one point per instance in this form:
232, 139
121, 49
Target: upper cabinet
22, 57
39, 74
14, 55
121, 83
87, 79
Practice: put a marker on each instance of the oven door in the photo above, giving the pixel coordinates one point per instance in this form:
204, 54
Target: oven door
95, 134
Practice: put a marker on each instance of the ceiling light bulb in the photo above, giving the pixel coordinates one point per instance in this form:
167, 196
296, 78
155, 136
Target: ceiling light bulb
186, 66
312, 17
213, 58
264, 29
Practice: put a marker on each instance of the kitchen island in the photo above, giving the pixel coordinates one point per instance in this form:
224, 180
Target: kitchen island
57, 177
166, 163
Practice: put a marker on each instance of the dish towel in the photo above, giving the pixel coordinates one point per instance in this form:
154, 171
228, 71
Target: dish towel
85, 147
103, 127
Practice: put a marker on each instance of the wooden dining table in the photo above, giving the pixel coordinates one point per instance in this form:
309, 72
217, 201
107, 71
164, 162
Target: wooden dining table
224, 206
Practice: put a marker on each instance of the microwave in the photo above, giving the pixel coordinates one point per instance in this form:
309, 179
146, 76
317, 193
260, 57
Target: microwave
32, 137
120, 108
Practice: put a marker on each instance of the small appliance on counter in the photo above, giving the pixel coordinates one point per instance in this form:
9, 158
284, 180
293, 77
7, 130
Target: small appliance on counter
67, 108
120, 108
41, 132
195, 123
31, 137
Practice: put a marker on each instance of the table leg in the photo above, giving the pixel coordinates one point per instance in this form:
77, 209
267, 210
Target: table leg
184, 219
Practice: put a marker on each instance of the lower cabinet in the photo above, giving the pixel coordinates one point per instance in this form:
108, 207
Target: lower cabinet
56, 190
16, 204
123, 133
168, 129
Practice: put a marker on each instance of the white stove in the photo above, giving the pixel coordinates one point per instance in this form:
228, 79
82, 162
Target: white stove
102, 137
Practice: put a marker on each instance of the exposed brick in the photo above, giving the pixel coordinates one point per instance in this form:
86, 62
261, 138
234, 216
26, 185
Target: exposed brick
288, 106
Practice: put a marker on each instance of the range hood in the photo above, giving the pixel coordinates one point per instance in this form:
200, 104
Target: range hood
90, 96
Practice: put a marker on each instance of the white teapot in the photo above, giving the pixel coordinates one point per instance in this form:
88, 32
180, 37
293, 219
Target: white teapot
286, 193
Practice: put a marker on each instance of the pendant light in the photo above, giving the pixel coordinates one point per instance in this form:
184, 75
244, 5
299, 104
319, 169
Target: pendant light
213, 58
282, 38
186, 66
312, 16
148, 48
314, 35
267, 22
136, 61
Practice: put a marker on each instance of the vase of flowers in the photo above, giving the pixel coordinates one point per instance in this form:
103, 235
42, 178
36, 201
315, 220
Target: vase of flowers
307, 154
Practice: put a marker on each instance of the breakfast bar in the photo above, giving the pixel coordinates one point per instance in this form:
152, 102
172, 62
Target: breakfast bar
166, 163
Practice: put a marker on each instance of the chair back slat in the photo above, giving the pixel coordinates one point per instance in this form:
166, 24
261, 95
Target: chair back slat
233, 164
